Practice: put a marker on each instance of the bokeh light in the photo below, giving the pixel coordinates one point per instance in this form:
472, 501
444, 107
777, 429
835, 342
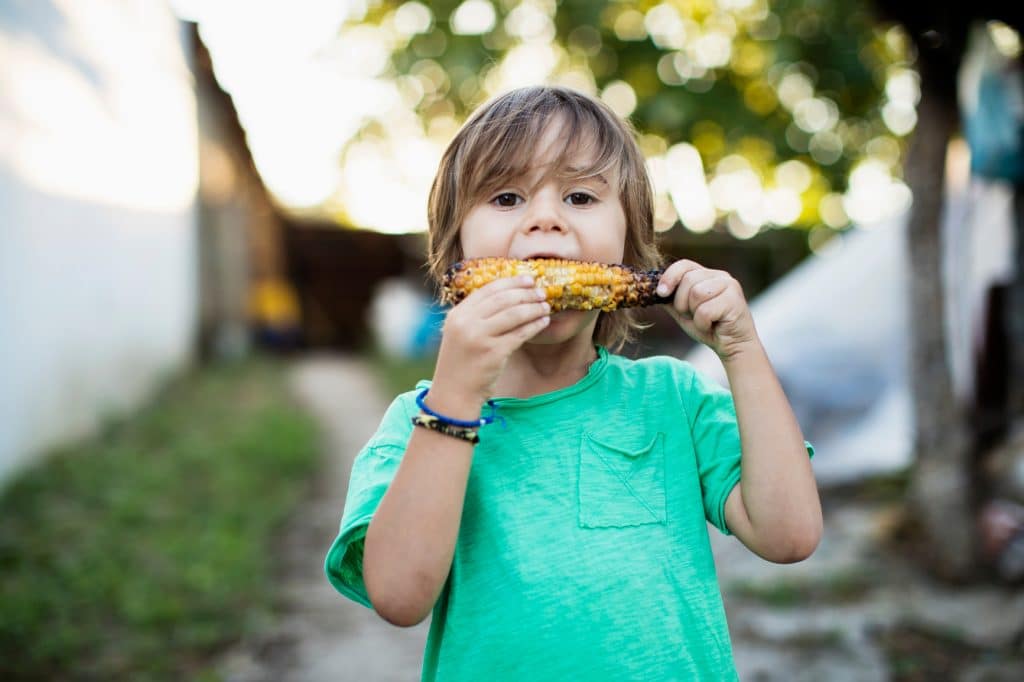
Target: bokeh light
764, 121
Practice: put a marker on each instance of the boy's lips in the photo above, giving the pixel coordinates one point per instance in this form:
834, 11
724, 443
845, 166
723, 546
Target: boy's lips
547, 254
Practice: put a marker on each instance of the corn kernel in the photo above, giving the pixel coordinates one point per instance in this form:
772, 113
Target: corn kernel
566, 283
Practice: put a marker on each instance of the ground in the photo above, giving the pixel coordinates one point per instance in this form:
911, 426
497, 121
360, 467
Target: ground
322, 636
859, 609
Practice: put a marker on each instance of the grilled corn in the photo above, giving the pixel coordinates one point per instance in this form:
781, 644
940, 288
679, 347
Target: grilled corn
569, 284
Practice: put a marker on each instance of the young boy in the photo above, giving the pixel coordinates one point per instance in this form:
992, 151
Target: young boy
570, 541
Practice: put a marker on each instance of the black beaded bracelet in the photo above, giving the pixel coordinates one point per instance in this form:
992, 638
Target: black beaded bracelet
465, 433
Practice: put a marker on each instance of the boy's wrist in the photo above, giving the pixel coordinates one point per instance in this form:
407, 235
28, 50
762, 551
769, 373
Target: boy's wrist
453, 403
744, 353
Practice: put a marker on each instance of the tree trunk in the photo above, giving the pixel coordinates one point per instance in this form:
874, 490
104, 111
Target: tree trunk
1014, 316
940, 488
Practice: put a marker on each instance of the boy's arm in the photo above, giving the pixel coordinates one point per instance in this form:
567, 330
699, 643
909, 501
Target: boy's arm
774, 510
410, 542
409, 545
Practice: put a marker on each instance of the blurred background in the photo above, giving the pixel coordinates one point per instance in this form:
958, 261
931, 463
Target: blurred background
212, 223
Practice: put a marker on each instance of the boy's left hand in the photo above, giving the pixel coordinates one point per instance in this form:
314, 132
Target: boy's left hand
709, 305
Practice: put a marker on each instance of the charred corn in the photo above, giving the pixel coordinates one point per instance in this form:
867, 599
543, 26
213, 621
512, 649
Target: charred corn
570, 284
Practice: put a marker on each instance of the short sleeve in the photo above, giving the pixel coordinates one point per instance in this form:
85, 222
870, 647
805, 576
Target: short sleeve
372, 472
716, 443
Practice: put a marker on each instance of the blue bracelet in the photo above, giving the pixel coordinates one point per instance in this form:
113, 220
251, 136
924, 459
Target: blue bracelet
491, 417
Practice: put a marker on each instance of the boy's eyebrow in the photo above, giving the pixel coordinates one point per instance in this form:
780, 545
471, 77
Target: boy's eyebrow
577, 171
574, 172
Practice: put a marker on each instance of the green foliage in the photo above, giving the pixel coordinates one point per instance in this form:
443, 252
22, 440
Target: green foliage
137, 555
734, 103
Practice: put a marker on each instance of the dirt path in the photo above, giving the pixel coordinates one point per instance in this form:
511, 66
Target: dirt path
322, 635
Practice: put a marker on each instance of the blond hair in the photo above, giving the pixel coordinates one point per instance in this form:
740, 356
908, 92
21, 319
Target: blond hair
495, 145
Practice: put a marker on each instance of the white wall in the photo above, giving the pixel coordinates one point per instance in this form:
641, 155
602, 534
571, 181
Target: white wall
98, 173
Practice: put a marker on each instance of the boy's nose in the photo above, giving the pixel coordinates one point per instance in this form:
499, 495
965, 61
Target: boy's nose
545, 214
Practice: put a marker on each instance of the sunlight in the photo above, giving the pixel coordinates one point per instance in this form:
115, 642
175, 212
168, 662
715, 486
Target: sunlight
793, 174
297, 148
782, 206
666, 27
525, 64
314, 81
619, 95
530, 23
395, 206
70, 136
412, 18
688, 188
473, 17
734, 184
874, 194
1006, 39
831, 210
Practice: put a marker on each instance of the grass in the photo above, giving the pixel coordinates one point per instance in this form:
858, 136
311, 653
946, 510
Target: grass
140, 554
916, 653
398, 375
840, 587
891, 487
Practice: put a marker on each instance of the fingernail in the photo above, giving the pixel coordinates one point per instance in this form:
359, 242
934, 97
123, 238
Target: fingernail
662, 290
546, 306
541, 294
526, 279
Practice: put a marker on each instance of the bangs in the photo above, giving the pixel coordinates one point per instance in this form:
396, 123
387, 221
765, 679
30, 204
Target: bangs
505, 146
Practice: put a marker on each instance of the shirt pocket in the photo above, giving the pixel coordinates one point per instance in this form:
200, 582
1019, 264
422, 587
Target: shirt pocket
621, 485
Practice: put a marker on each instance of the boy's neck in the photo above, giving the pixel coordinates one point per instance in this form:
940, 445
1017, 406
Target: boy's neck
541, 368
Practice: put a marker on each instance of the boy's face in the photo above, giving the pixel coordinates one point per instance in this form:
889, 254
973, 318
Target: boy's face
551, 217
581, 219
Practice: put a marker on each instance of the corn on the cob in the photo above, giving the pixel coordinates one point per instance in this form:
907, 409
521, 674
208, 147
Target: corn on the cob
570, 284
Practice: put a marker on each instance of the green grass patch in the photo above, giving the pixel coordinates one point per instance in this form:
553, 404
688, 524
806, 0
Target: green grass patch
917, 653
141, 553
883, 488
840, 587
398, 375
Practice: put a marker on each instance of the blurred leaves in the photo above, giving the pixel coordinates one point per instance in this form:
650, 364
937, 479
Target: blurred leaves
741, 80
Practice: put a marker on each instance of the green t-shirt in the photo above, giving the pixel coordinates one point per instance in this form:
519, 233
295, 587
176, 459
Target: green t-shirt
583, 551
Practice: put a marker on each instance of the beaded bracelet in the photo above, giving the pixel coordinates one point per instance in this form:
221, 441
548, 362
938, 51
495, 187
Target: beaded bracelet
475, 423
465, 433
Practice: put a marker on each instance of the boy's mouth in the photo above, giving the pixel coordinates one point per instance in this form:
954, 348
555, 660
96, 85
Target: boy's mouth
535, 256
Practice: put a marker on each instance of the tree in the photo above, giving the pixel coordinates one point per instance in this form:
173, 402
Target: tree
944, 491
750, 85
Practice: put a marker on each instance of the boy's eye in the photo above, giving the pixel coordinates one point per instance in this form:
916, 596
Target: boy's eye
506, 199
580, 199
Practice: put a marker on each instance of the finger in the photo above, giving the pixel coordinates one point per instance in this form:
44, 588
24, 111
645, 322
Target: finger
706, 289
684, 320
478, 296
674, 274
682, 300
506, 298
710, 312
515, 316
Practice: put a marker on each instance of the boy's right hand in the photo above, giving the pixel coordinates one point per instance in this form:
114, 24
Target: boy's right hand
479, 335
